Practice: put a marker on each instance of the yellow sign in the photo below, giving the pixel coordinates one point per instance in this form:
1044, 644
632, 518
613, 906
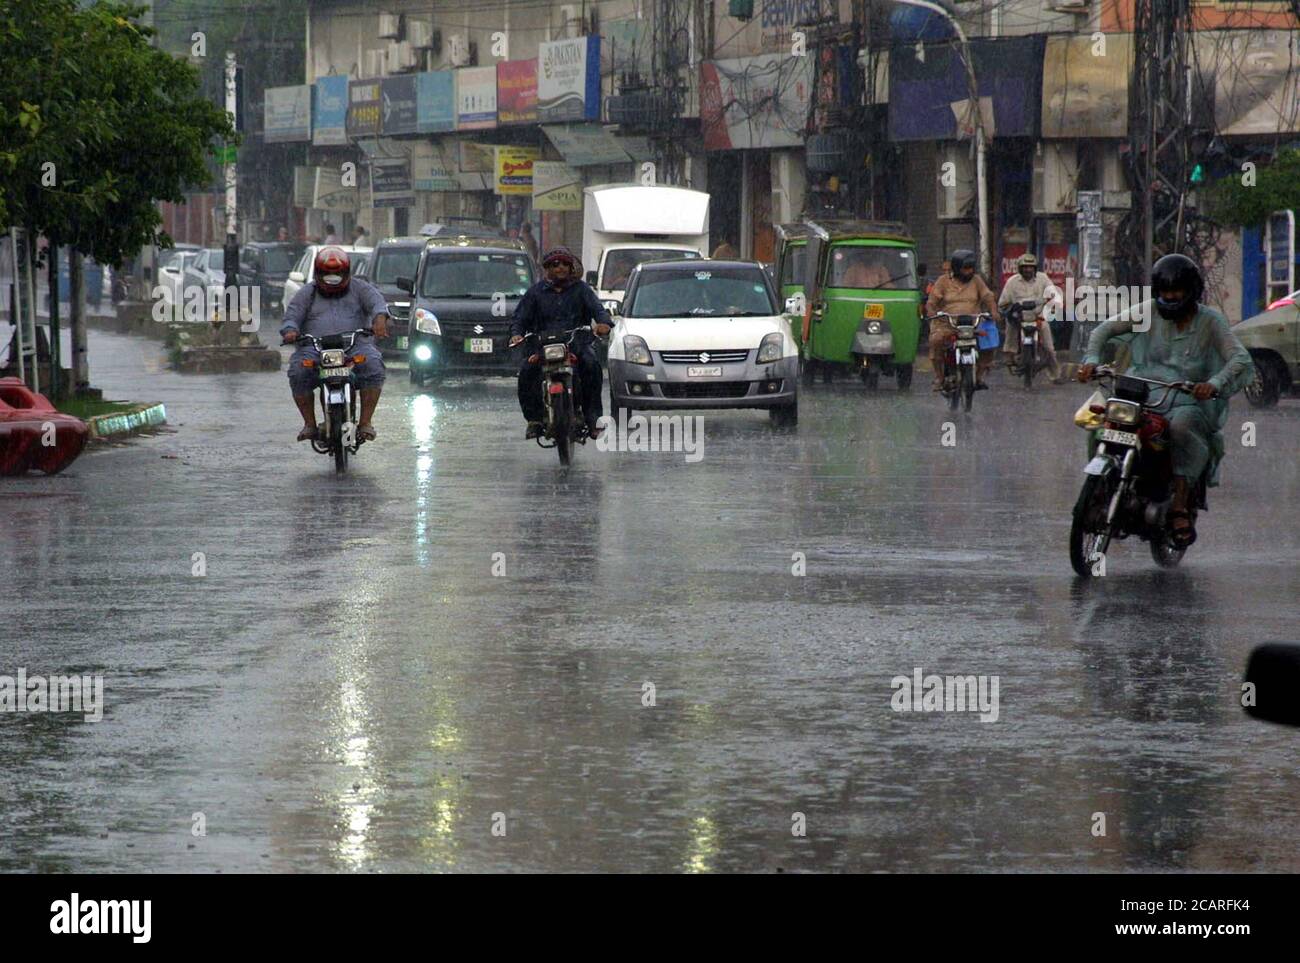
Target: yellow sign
514, 170
874, 312
556, 187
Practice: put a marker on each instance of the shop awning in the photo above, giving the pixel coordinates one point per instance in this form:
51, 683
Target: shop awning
584, 145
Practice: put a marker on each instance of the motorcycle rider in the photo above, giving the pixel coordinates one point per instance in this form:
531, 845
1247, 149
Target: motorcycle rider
1029, 283
960, 292
335, 303
1185, 341
560, 302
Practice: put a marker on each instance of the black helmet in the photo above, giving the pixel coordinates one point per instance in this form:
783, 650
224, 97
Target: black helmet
1176, 272
960, 260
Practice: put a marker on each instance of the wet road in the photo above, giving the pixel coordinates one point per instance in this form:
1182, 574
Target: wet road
349, 687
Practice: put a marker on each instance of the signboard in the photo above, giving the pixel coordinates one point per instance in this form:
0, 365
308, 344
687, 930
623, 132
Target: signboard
433, 173
398, 107
514, 170
1248, 78
1090, 252
776, 89
390, 182
304, 186
288, 114
1089, 203
435, 101
1085, 95
363, 108
517, 91
556, 187
1279, 252
329, 194
583, 145
568, 79
476, 98
329, 111
1011, 250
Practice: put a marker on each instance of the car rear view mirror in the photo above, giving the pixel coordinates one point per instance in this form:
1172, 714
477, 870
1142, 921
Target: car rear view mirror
406, 284
1271, 689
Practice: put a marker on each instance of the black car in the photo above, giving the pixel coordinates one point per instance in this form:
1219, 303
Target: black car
266, 265
463, 294
393, 258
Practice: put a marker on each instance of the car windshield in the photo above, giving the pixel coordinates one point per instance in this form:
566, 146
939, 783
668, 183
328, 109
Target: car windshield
706, 292
619, 264
178, 260
796, 257
460, 274
872, 268
387, 266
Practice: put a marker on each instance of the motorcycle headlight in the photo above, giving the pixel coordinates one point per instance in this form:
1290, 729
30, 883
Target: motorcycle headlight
636, 350
333, 358
1123, 412
770, 348
556, 352
425, 322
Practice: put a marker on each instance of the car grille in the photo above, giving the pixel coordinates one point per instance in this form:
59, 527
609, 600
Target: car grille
710, 389
496, 328
714, 357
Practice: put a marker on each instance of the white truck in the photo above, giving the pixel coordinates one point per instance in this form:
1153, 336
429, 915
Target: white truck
625, 224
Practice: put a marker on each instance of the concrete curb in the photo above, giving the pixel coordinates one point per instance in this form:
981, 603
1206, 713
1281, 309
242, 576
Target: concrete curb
140, 418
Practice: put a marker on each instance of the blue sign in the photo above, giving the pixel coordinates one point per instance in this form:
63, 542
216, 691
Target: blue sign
329, 111
435, 101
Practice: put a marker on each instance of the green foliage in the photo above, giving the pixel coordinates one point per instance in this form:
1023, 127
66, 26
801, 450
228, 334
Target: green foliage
1276, 188
96, 125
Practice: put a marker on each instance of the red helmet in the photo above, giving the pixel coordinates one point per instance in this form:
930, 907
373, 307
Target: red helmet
333, 270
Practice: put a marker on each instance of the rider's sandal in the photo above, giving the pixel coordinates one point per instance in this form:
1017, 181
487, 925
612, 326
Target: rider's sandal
366, 433
1181, 536
309, 433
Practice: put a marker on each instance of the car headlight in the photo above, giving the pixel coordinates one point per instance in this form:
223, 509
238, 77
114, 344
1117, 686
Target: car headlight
875, 327
636, 350
1123, 412
426, 322
770, 348
423, 352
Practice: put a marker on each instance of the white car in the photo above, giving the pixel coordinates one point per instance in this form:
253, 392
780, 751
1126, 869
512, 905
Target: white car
305, 270
703, 334
171, 270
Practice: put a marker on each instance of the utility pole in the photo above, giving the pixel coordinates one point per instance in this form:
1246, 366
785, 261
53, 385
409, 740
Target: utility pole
56, 341
230, 320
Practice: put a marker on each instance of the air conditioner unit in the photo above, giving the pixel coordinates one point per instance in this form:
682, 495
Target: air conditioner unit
376, 63
402, 56
569, 22
956, 183
1069, 6
390, 26
420, 34
1056, 176
458, 50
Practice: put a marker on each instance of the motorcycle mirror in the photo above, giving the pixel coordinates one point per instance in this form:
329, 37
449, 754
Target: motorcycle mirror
406, 284
1271, 689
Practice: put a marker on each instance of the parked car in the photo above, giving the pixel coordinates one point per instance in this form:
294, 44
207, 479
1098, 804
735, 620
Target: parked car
703, 334
206, 270
393, 258
266, 265
304, 271
463, 294
171, 269
1273, 339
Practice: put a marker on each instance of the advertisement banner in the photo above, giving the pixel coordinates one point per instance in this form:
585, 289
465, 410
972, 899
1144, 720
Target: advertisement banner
1249, 77
556, 187
1010, 251
514, 170
434, 173
329, 194
476, 98
435, 102
568, 79
1085, 93
398, 111
390, 182
288, 114
517, 91
304, 186
329, 111
363, 108
755, 101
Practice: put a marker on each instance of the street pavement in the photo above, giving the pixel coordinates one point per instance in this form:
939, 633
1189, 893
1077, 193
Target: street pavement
350, 687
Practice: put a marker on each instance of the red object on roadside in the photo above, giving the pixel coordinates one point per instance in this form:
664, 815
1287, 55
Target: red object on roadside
26, 422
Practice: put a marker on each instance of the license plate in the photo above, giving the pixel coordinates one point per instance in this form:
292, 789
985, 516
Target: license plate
403, 342
1029, 339
478, 345
1119, 437
874, 312
967, 344
334, 372
714, 372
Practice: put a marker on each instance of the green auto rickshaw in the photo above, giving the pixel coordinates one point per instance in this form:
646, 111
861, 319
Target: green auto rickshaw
856, 285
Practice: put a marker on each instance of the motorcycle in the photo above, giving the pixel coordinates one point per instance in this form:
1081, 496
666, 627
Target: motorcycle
1028, 331
1129, 485
337, 436
563, 425
962, 356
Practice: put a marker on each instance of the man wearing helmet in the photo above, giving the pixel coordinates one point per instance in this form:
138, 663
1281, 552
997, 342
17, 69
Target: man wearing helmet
1030, 284
961, 292
560, 302
335, 303
1185, 341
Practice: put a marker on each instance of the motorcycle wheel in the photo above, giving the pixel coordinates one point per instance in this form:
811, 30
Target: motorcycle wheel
338, 416
1028, 362
968, 384
1164, 554
1084, 542
563, 424
951, 387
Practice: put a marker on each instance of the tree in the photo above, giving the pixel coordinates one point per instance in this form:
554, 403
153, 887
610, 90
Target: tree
1242, 201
